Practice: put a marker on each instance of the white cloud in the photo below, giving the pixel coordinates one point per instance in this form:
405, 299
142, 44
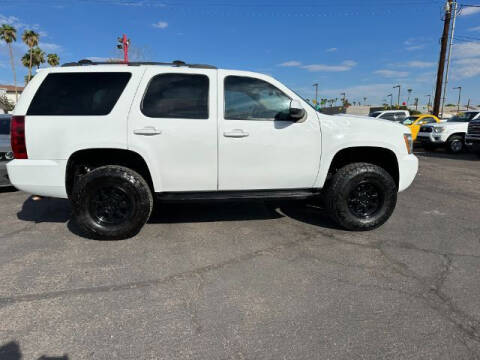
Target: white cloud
469, 10
466, 68
160, 25
290, 63
344, 66
391, 73
420, 64
415, 47
331, 50
468, 49
50, 47
476, 28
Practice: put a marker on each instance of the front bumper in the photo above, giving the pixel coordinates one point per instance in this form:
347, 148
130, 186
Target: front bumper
408, 168
39, 177
432, 138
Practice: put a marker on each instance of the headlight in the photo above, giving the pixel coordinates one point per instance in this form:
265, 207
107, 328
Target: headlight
438, 129
408, 142
9, 155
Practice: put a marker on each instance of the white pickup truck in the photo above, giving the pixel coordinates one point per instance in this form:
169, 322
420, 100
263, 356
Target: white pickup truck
449, 134
110, 137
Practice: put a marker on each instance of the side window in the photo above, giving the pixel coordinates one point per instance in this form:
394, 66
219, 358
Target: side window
87, 93
388, 116
428, 120
182, 96
400, 116
254, 99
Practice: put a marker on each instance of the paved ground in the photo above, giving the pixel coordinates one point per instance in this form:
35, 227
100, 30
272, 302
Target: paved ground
249, 281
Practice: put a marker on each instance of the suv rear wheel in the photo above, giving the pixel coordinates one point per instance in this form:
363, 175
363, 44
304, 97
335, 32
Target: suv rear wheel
361, 196
111, 202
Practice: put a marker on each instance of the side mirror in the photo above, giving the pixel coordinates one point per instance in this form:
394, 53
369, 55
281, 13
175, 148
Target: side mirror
297, 112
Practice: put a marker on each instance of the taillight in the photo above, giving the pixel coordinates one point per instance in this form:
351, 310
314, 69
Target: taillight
17, 135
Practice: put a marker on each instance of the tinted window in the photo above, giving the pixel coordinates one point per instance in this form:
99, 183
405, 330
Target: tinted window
375, 114
464, 117
78, 93
254, 99
388, 116
4, 126
181, 96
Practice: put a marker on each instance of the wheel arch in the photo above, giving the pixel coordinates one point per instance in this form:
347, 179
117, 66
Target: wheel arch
84, 160
380, 156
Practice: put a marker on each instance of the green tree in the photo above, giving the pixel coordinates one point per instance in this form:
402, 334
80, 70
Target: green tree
8, 34
53, 59
30, 38
38, 57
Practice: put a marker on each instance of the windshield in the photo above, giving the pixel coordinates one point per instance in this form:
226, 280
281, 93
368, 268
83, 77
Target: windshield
465, 117
410, 120
4, 126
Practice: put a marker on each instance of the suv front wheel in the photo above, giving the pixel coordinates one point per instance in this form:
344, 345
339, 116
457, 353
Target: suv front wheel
111, 202
361, 196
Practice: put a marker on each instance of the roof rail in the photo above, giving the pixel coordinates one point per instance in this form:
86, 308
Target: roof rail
177, 63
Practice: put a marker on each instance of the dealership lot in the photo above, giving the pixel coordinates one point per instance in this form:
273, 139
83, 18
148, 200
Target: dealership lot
245, 281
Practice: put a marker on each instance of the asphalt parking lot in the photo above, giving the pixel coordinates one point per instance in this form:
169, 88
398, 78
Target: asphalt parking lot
249, 281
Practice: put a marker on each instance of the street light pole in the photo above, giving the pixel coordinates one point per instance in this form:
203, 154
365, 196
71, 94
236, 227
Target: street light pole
398, 100
459, 88
429, 100
316, 93
391, 99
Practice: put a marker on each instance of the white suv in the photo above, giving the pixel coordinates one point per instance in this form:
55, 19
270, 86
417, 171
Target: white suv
111, 137
449, 134
392, 115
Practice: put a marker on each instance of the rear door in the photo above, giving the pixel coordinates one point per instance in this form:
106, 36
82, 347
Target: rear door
173, 125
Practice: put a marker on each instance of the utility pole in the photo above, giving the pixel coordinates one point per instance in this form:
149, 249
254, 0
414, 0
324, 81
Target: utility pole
316, 93
468, 105
459, 88
124, 43
429, 102
398, 100
441, 62
454, 12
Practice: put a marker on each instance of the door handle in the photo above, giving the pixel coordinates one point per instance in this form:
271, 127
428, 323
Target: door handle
148, 131
237, 133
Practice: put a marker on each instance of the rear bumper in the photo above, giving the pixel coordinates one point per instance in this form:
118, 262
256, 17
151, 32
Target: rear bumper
39, 177
408, 168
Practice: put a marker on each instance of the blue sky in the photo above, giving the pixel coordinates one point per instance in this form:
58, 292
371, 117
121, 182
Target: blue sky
362, 48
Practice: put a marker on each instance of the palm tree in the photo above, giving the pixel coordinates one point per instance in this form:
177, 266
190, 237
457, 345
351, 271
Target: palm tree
409, 92
364, 100
38, 57
9, 34
53, 59
30, 38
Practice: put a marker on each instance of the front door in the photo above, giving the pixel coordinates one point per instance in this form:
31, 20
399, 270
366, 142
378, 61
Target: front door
173, 125
260, 147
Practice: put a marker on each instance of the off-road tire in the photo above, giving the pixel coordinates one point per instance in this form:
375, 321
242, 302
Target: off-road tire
349, 178
453, 143
131, 197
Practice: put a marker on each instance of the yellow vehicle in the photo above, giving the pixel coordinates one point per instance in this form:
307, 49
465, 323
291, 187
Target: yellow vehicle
415, 121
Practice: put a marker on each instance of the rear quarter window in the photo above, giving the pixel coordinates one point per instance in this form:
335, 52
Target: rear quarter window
94, 93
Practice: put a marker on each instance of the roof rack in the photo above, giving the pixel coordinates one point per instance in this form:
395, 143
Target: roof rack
177, 63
